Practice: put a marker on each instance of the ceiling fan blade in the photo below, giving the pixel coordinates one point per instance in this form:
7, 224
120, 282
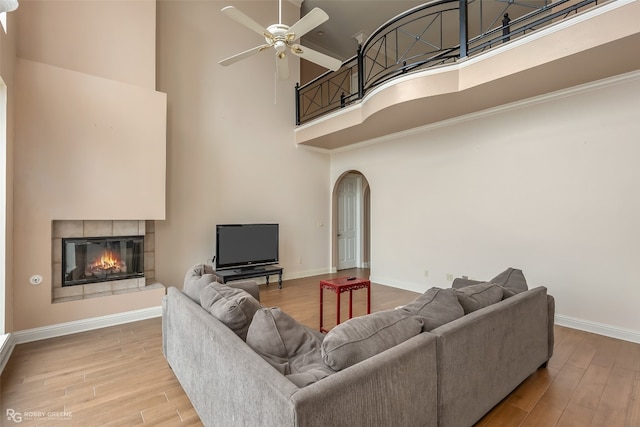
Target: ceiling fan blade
307, 23
314, 56
240, 56
243, 19
282, 66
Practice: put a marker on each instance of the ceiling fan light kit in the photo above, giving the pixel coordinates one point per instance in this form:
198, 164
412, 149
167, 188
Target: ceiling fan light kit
8, 5
281, 38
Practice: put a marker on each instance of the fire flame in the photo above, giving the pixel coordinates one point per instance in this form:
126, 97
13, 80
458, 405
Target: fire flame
108, 262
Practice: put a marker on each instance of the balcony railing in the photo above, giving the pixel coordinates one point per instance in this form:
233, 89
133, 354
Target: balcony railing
434, 34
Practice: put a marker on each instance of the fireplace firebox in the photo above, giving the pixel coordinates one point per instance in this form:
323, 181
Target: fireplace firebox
101, 259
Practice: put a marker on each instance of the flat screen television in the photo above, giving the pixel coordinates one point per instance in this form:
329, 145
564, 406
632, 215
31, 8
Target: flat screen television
242, 246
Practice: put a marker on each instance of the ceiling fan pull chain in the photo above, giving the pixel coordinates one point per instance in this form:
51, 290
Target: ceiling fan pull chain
275, 88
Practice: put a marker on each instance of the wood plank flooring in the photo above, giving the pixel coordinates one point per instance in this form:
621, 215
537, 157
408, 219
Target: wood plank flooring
117, 376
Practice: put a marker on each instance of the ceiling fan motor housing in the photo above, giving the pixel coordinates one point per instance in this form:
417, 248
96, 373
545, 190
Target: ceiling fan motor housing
276, 35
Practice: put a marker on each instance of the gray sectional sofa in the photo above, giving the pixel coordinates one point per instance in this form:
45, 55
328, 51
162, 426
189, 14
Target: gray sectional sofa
457, 366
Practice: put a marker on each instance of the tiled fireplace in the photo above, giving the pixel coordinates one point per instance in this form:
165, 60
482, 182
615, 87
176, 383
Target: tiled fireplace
100, 258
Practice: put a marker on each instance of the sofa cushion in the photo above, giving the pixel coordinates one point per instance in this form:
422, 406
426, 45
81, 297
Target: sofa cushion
289, 346
196, 278
436, 307
475, 297
512, 280
461, 282
362, 337
251, 286
233, 307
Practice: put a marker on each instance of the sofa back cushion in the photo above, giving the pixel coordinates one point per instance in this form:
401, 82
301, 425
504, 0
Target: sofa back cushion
289, 346
359, 338
475, 297
512, 281
461, 282
436, 307
233, 307
195, 279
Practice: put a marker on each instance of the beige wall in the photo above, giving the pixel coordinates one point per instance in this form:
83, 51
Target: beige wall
7, 64
90, 139
309, 71
230, 143
106, 38
549, 187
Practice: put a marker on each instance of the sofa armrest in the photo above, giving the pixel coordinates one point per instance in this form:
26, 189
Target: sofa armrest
551, 305
227, 382
397, 387
165, 332
250, 286
486, 354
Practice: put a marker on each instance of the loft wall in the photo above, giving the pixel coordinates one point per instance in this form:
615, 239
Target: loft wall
548, 186
90, 139
231, 154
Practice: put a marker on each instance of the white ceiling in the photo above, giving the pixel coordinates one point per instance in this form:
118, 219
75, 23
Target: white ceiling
347, 18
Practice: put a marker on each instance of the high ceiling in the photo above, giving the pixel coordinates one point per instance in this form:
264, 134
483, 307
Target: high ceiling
347, 18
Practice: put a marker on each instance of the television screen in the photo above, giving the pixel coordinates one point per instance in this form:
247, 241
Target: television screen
246, 245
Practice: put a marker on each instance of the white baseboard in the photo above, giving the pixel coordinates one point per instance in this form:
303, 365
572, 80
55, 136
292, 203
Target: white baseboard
407, 286
598, 328
307, 273
51, 331
291, 276
6, 348
560, 320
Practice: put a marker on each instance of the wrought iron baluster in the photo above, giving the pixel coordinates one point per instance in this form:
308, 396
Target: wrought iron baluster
416, 45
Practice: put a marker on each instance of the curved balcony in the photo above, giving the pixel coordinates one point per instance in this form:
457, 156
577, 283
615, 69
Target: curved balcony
425, 58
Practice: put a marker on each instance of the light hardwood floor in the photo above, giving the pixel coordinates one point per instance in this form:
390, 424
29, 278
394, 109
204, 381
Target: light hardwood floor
117, 376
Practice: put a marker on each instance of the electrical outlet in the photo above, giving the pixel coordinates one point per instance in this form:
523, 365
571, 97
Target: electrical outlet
449, 276
426, 273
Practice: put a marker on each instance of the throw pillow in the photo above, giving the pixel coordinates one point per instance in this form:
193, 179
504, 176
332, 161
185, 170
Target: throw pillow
196, 278
287, 345
233, 307
436, 307
512, 280
362, 337
475, 297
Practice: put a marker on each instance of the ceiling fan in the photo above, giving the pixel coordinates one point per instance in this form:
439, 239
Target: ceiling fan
281, 38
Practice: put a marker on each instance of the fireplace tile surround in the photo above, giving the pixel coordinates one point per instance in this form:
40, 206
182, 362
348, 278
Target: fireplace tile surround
101, 228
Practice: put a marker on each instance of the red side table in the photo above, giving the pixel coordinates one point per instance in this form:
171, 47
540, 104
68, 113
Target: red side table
339, 286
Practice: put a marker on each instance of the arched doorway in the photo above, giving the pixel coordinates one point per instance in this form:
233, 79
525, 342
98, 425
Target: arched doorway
351, 221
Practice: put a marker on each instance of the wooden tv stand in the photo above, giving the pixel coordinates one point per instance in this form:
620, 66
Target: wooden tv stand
225, 276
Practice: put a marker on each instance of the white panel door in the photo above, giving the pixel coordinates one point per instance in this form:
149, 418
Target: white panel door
348, 223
